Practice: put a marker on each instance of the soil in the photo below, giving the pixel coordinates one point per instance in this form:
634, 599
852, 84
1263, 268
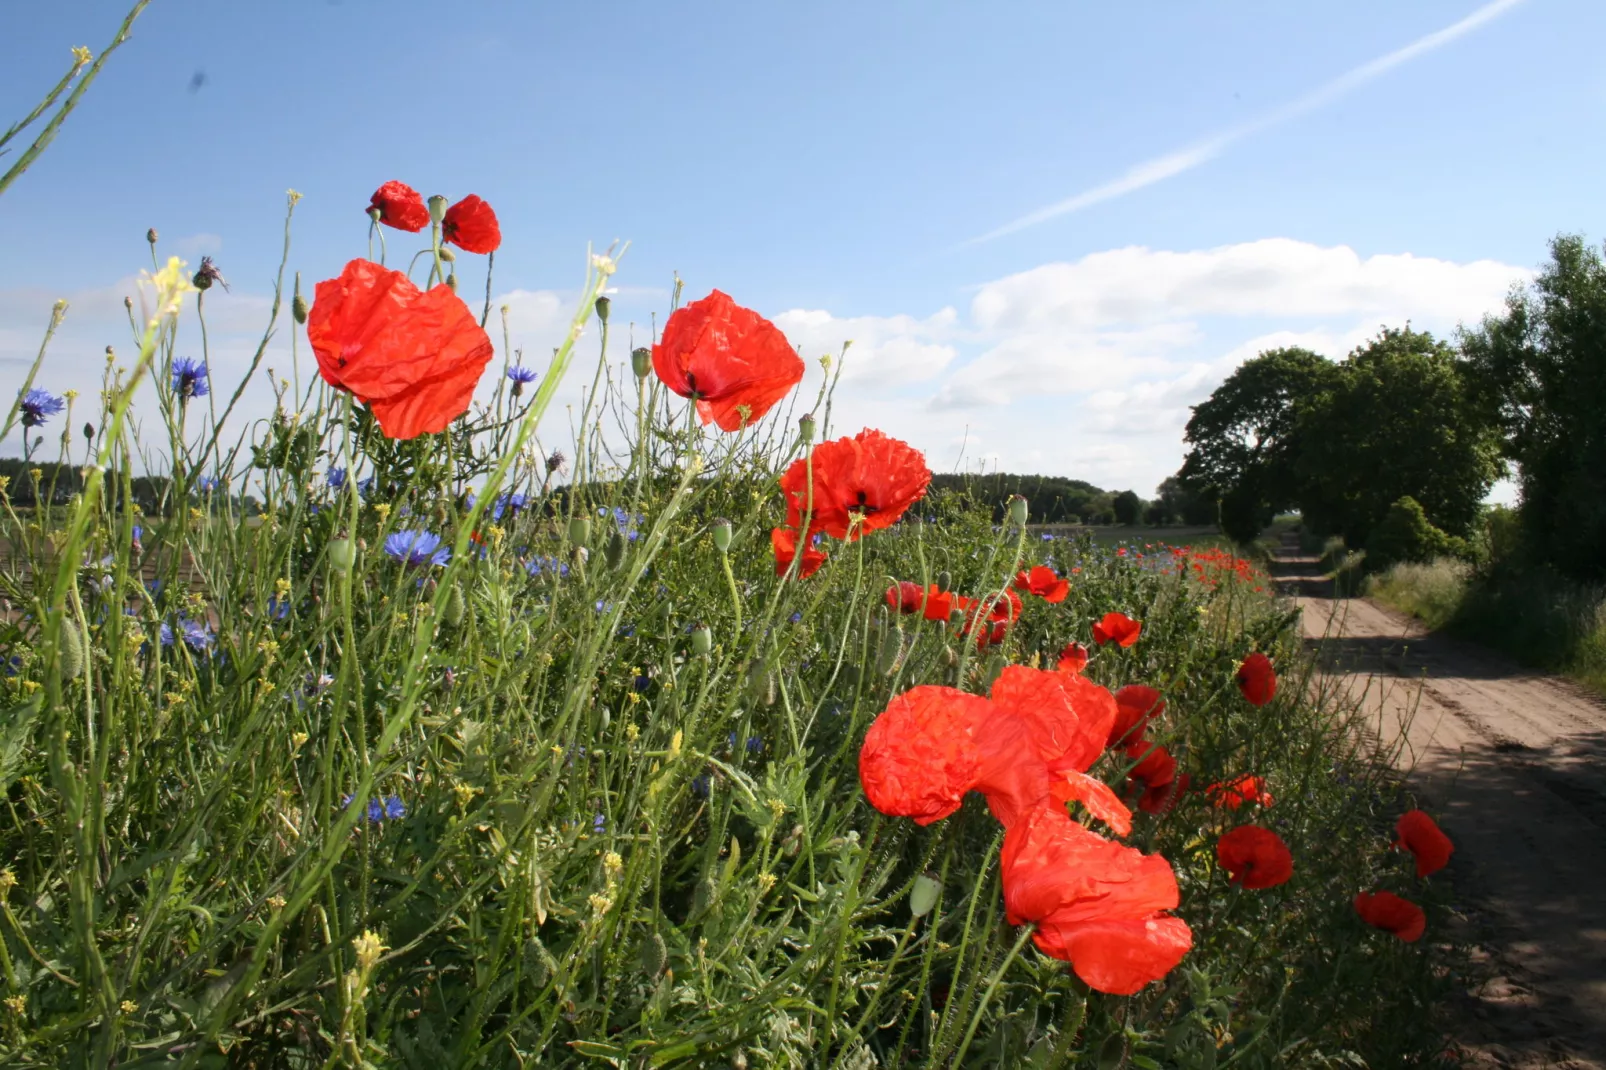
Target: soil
1513, 764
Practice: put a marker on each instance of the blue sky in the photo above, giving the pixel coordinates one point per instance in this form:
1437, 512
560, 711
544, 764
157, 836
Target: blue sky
830, 165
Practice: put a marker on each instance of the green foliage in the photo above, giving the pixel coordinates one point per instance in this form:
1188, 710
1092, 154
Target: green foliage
1407, 535
1055, 499
1541, 367
1432, 591
1244, 513
1127, 506
1399, 419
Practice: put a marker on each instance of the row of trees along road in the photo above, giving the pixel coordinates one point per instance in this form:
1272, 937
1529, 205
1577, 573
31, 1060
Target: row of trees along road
1410, 415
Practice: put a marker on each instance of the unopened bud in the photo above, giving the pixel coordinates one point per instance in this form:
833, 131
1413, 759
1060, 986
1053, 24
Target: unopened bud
456, 606
1017, 510
891, 651
150, 235
945, 580
805, 427
451, 283
448, 256
923, 896
641, 362
602, 309
654, 956
722, 534
614, 553
89, 431
437, 208
71, 648
298, 304
580, 530
702, 640
342, 555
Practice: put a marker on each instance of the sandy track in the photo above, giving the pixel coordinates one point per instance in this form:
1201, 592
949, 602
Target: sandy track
1514, 764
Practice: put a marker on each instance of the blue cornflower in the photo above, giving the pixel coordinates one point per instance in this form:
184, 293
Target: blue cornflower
195, 635
394, 807
278, 608
603, 606
1047, 537
189, 378
38, 406
165, 634
599, 824
12, 665
542, 566
755, 745
138, 532
508, 503
700, 786
520, 375
643, 682
796, 617
365, 486
415, 547
336, 478
206, 484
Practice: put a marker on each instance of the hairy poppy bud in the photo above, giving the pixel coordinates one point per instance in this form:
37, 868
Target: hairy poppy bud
805, 427
602, 309
456, 606
702, 640
89, 431
703, 898
923, 896
448, 256
956, 617
722, 534
150, 235
641, 362
891, 651
654, 956
950, 657
70, 646
437, 208
614, 554
451, 282
945, 580
342, 555
1017, 510
298, 304
760, 684
580, 530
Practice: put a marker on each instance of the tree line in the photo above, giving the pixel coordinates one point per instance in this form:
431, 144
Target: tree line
1404, 437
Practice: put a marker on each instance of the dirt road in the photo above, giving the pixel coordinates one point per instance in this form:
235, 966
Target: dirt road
1513, 763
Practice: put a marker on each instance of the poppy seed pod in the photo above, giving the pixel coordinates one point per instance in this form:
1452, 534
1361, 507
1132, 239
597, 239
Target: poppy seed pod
602, 309
342, 555
437, 208
805, 427
702, 640
580, 530
1017, 510
722, 534
641, 362
374, 214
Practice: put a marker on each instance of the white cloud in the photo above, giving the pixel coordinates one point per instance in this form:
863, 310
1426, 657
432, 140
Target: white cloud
887, 351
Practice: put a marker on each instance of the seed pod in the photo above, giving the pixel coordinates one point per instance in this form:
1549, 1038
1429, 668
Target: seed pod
602, 309
805, 427
1017, 510
437, 208
722, 534
580, 530
923, 896
641, 362
614, 553
456, 606
702, 640
70, 645
654, 956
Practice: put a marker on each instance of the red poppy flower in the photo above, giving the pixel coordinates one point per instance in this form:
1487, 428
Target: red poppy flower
1044, 583
1136, 705
1096, 904
1234, 793
1065, 721
1162, 798
1387, 911
920, 757
1073, 659
1117, 628
731, 361
939, 604
861, 484
1255, 857
413, 357
1421, 835
400, 206
1256, 679
471, 224
784, 542
905, 597
990, 619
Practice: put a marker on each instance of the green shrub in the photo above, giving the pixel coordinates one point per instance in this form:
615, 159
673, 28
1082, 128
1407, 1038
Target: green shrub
1433, 591
1406, 534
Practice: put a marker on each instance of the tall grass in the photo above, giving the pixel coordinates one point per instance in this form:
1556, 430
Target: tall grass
586, 794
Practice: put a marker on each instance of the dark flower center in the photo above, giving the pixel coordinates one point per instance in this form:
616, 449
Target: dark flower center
863, 506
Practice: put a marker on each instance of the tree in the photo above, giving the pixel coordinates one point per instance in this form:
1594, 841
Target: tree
1400, 418
1541, 370
1406, 534
1128, 507
1244, 437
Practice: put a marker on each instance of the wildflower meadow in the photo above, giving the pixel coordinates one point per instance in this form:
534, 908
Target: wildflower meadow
401, 730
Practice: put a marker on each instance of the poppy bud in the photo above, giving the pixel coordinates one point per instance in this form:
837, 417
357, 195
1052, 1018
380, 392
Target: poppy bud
602, 309
722, 534
89, 431
891, 651
614, 554
641, 362
451, 282
456, 606
437, 208
606, 718
654, 956
945, 580
702, 640
950, 657
923, 896
805, 427
128, 306
580, 530
1017, 510
70, 647
150, 235
298, 304
342, 555
956, 617
703, 898
448, 256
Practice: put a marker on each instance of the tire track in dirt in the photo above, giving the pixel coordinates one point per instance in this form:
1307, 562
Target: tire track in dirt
1514, 764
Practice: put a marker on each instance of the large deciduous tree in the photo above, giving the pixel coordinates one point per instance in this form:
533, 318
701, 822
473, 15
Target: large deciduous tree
1542, 368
